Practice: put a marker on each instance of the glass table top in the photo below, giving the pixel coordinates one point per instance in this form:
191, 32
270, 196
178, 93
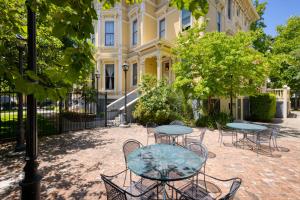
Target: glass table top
173, 130
245, 126
164, 162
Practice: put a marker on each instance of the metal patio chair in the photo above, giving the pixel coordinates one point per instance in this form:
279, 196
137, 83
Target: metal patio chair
129, 146
275, 132
162, 139
222, 133
194, 191
136, 190
195, 139
177, 122
263, 137
150, 130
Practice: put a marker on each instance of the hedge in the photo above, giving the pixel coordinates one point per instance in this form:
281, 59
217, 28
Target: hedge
262, 107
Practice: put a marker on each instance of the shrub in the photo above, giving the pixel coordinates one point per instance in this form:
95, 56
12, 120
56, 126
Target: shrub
210, 120
160, 103
262, 107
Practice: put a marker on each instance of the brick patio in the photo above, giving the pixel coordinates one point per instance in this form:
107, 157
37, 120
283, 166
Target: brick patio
71, 164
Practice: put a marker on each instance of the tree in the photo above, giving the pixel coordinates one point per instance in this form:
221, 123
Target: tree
218, 65
263, 41
286, 48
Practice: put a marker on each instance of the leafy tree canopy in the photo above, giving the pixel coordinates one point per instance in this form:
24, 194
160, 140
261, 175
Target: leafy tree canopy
218, 64
286, 48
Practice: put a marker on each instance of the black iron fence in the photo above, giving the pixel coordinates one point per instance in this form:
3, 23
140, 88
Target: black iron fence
78, 111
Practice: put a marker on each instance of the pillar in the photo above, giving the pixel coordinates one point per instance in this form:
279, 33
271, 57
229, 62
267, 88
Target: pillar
159, 67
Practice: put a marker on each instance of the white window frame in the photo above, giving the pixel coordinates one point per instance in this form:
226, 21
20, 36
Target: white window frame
183, 27
219, 21
104, 28
159, 31
105, 77
137, 32
229, 9
137, 76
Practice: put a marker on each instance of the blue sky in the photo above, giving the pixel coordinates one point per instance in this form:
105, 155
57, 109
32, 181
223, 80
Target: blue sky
277, 13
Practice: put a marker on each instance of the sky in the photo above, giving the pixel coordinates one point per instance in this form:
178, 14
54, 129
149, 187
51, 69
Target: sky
278, 12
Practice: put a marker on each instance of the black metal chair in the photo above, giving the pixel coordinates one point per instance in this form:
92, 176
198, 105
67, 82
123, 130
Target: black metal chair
136, 190
129, 146
195, 139
194, 191
226, 133
150, 130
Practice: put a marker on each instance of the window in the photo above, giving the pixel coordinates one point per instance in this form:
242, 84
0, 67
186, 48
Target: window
93, 39
134, 32
185, 19
238, 11
109, 76
162, 29
109, 33
229, 7
219, 21
134, 74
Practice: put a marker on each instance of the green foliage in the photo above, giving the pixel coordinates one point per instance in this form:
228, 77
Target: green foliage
210, 120
262, 107
286, 50
159, 102
260, 9
217, 64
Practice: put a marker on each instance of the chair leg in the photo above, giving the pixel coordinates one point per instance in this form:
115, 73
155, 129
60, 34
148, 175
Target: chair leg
125, 178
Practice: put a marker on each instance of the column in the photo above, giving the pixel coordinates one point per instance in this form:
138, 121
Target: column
242, 108
159, 67
141, 68
285, 101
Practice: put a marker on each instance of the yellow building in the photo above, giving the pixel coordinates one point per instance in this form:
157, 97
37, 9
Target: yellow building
143, 34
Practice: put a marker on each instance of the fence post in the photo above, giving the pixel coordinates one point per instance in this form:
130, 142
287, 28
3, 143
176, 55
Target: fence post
60, 121
105, 109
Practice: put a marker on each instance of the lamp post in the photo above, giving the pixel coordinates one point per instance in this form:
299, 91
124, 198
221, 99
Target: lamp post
32, 179
20, 146
97, 75
125, 68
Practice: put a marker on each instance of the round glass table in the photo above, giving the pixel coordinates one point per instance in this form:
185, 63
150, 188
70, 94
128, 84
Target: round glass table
164, 163
173, 130
247, 128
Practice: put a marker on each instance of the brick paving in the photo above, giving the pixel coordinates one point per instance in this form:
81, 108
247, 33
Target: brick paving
71, 163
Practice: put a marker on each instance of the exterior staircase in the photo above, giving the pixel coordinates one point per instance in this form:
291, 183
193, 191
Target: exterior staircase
117, 107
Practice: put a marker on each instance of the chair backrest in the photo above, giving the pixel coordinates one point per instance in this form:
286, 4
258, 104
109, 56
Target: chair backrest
275, 131
161, 139
265, 134
199, 149
129, 146
233, 189
177, 122
113, 192
202, 135
150, 127
219, 126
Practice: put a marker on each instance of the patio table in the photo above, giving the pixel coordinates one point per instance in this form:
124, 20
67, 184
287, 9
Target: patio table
246, 128
164, 163
173, 130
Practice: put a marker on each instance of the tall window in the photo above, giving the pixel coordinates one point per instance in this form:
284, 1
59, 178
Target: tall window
185, 19
238, 11
134, 74
109, 33
109, 76
134, 32
219, 21
162, 29
229, 7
